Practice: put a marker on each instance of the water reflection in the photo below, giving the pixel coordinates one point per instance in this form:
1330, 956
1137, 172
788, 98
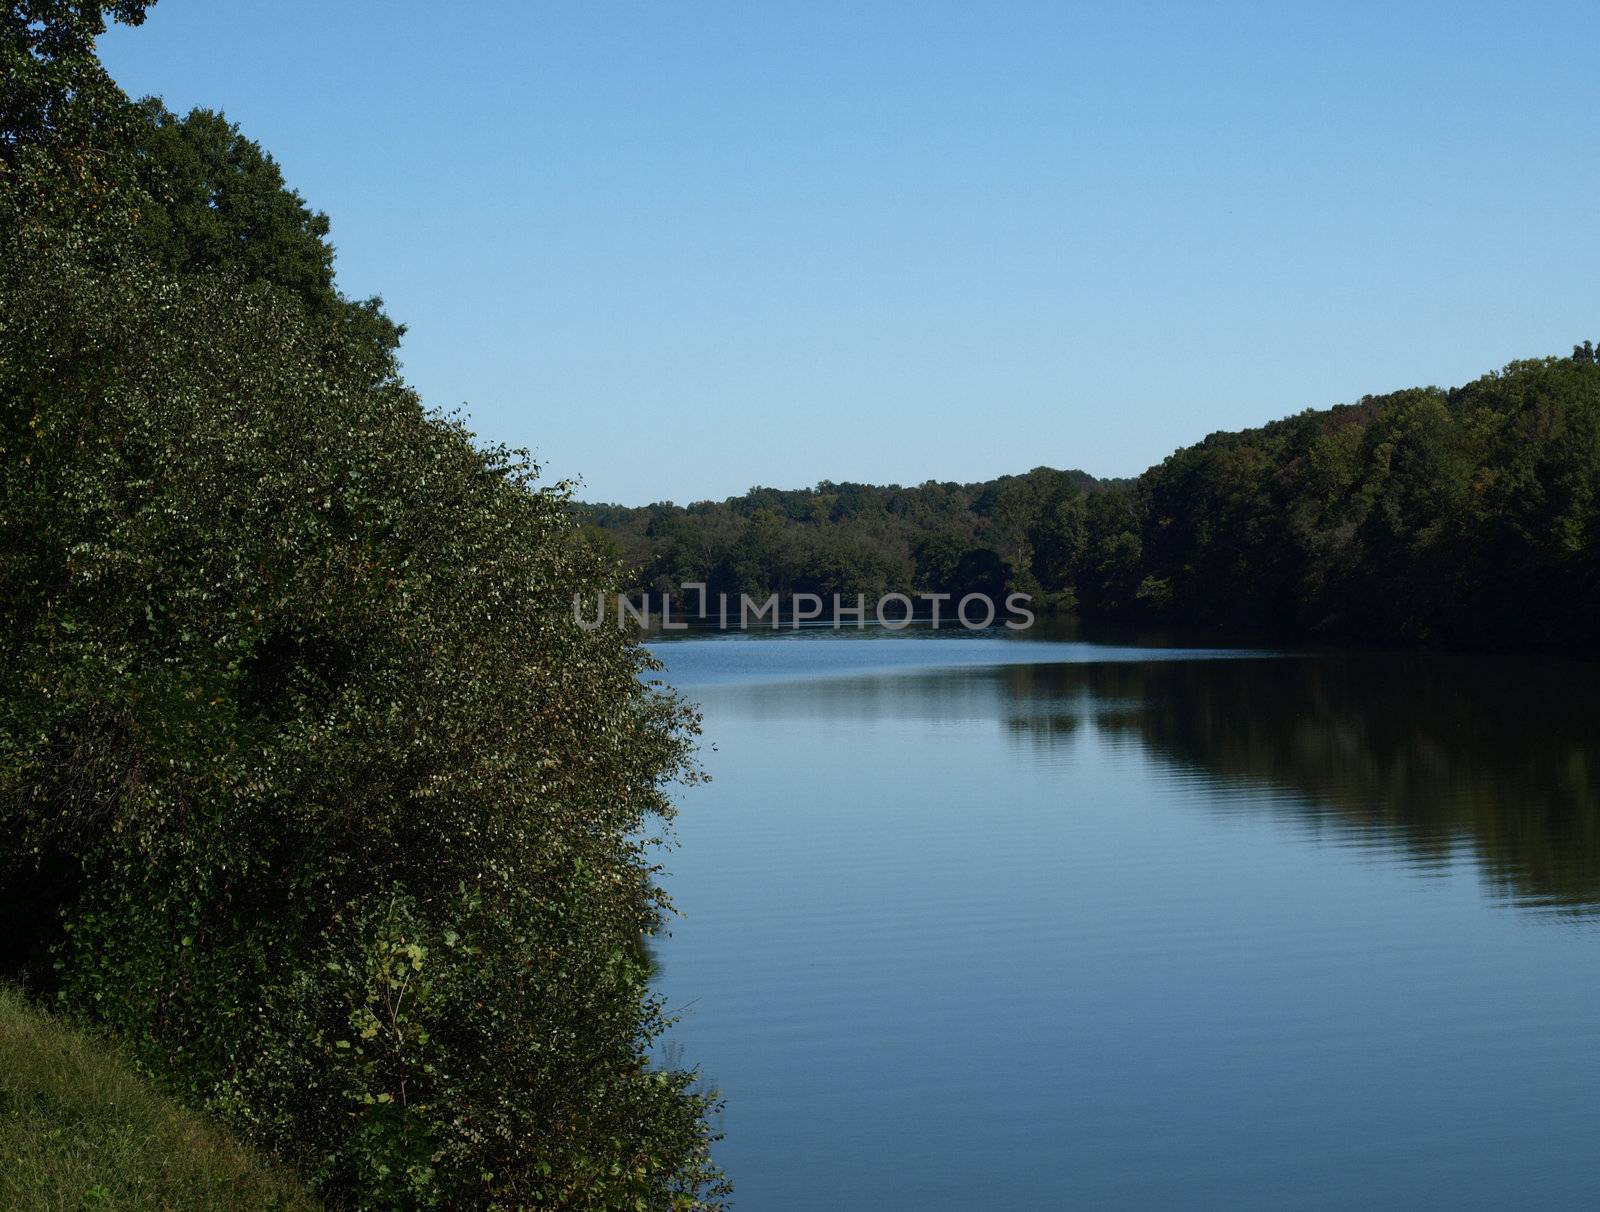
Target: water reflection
1420, 754
1137, 928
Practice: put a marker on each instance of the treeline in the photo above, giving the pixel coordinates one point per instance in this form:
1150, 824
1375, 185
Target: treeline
1014, 533
311, 791
1468, 516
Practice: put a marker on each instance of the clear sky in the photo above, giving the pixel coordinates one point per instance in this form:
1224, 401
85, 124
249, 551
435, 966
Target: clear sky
680, 249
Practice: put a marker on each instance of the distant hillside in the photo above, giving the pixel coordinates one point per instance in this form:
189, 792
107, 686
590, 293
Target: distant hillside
1468, 516
861, 538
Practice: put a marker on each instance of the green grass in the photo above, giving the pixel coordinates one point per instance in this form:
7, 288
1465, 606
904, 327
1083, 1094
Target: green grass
80, 1131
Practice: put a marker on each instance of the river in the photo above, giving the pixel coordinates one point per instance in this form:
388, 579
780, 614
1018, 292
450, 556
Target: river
987, 922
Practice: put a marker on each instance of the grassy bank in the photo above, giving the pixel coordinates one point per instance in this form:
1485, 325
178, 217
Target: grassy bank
80, 1130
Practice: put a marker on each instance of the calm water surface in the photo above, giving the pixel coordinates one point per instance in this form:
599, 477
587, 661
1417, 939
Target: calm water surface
979, 922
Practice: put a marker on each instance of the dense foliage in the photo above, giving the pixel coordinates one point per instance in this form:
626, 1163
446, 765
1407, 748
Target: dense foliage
310, 787
223, 205
1022, 531
1469, 517
55, 91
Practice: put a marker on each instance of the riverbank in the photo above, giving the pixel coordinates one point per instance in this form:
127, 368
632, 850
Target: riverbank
80, 1129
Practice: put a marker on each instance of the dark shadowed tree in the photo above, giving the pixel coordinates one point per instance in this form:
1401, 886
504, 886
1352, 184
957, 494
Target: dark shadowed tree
53, 84
224, 207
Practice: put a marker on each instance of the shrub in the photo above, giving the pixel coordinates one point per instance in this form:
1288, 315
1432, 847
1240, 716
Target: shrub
348, 826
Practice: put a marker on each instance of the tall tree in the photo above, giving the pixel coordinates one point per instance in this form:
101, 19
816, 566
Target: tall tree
222, 206
55, 86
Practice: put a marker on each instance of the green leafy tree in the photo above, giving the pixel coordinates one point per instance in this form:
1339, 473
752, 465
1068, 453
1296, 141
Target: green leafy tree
223, 207
321, 799
55, 90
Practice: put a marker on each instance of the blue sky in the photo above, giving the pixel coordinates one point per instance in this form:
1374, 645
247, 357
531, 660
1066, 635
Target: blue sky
680, 249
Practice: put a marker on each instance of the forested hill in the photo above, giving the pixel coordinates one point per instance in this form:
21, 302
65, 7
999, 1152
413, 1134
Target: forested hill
858, 538
1466, 516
